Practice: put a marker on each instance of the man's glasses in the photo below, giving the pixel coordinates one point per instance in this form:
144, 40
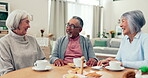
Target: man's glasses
72, 26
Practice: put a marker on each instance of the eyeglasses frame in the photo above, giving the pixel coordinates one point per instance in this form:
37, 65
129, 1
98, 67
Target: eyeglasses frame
72, 26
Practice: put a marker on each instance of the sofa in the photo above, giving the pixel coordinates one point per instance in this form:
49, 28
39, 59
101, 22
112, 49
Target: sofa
106, 46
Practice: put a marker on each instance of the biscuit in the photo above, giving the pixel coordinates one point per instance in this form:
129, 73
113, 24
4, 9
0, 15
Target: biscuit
93, 75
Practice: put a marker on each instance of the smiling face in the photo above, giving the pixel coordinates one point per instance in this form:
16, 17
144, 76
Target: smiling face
23, 27
124, 26
74, 31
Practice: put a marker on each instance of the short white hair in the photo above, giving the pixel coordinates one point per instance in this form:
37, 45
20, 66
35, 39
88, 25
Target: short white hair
135, 19
15, 18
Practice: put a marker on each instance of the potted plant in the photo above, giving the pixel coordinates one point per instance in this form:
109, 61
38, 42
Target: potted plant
112, 32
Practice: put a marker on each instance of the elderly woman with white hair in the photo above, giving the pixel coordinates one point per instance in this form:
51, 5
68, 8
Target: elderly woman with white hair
18, 50
133, 51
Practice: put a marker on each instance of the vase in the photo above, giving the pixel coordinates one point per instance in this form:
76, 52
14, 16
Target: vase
113, 35
42, 31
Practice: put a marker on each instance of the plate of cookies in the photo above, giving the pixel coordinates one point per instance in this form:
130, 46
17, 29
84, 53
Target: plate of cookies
89, 75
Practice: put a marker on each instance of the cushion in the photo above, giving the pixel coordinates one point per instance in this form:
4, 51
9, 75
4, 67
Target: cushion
101, 39
100, 43
106, 39
105, 50
93, 40
115, 43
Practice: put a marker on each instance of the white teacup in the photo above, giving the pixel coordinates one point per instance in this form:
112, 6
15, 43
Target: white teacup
41, 64
77, 62
115, 64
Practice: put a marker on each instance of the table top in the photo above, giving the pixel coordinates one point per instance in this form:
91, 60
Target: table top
58, 72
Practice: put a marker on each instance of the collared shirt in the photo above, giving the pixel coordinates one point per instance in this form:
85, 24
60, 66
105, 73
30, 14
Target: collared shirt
62, 43
134, 54
73, 50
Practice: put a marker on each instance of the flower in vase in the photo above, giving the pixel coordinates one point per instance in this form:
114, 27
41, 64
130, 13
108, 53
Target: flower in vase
112, 32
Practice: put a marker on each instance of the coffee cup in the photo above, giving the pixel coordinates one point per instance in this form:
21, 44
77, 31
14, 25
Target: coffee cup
41, 64
115, 64
77, 62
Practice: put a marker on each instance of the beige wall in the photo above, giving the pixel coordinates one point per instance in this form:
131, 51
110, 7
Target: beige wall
37, 8
107, 14
115, 9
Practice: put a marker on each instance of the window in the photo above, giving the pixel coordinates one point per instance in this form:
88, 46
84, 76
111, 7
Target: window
84, 10
71, 0
92, 2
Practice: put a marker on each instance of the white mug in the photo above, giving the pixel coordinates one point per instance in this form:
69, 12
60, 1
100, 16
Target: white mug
115, 64
77, 62
41, 64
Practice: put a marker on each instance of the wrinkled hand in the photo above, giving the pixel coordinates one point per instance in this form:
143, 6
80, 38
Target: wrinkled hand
111, 59
91, 62
105, 62
59, 62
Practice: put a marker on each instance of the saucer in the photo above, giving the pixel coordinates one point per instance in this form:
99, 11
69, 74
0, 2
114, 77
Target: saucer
39, 69
96, 67
113, 69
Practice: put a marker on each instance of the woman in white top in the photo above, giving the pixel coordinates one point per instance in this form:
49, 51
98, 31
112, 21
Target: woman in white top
18, 50
133, 51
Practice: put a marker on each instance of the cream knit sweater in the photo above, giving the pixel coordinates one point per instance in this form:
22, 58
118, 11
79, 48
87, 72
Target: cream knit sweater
17, 53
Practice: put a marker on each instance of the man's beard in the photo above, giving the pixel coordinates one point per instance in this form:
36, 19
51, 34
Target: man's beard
69, 35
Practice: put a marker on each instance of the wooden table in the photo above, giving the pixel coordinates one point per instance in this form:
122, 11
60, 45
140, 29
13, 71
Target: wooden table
58, 72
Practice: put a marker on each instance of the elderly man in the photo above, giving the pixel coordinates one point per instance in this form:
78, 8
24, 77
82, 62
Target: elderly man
73, 46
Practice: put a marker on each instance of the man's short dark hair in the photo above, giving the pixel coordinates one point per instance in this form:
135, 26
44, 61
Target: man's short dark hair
78, 18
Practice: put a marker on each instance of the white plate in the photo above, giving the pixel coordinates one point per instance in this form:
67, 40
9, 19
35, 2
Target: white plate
39, 69
110, 68
97, 67
77, 75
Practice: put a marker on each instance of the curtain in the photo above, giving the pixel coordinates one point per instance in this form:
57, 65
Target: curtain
85, 12
57, 18
96, 21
